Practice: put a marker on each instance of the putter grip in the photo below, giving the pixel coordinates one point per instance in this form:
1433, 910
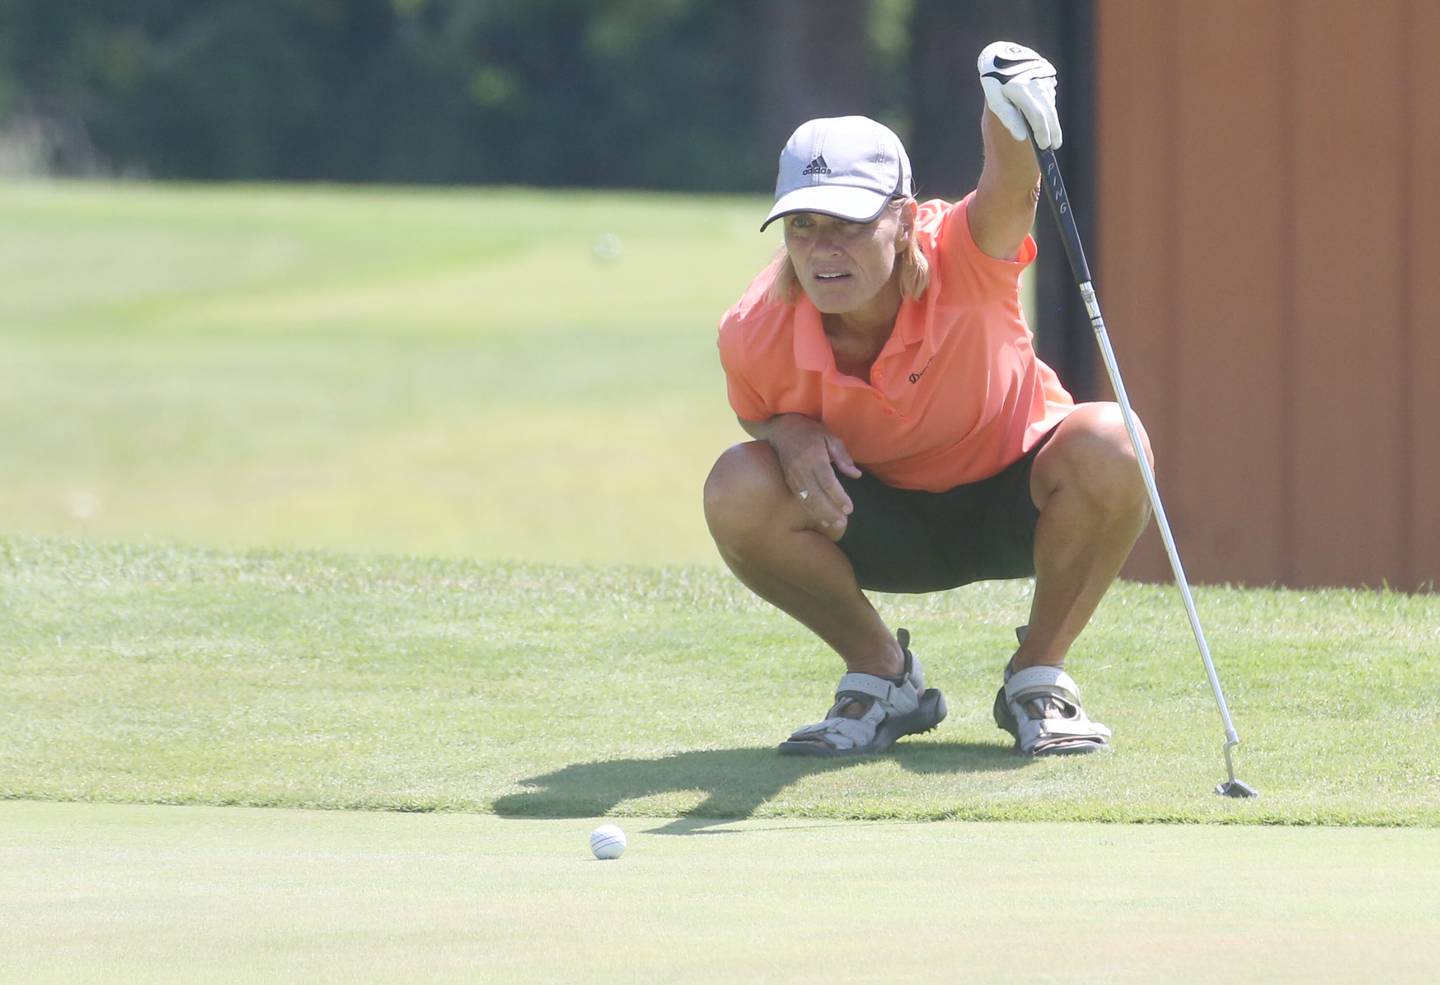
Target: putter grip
1060, 205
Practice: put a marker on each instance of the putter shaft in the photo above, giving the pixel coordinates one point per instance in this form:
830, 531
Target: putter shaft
1065, 220
1097, 322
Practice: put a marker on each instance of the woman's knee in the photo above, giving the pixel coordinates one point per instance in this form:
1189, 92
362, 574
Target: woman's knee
742, 491
1100, 457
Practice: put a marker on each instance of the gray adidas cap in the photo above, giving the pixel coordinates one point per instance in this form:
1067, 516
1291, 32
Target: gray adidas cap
845, 166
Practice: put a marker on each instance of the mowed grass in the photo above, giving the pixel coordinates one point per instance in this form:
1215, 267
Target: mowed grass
322, 680
178, 894
483, 373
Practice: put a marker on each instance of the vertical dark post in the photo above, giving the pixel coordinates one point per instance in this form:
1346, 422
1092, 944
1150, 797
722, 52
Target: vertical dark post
1067, 344
945, 143
815, 62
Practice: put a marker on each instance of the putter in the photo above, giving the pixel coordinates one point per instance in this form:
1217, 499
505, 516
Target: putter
1060, 207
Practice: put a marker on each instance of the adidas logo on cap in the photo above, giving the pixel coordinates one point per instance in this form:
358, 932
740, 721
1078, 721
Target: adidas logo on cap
855, 166
817, 166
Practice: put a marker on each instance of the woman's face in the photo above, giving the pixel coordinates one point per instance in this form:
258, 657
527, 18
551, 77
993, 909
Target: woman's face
843, 265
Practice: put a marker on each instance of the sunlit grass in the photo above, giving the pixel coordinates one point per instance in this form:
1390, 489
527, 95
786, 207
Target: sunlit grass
485, 373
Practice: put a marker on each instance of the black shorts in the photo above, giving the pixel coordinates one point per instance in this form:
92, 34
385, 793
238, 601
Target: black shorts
905, 540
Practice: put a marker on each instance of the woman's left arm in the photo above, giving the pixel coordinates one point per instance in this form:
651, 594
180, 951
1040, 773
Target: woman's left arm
1019, 98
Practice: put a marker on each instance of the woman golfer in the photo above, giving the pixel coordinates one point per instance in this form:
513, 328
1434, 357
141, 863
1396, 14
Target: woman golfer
908, 439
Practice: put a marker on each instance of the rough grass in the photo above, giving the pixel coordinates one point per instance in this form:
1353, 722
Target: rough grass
146, 674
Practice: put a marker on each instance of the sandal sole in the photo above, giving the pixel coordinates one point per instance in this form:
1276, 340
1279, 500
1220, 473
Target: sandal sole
930, 713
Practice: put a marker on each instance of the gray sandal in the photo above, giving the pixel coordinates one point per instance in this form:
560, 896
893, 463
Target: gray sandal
896, 707
1040, 707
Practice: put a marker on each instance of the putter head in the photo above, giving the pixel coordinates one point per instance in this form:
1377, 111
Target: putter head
1236, 788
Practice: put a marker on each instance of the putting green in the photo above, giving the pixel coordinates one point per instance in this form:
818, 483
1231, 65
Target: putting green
162, 894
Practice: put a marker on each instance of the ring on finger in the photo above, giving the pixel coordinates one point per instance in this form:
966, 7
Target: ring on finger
804, 494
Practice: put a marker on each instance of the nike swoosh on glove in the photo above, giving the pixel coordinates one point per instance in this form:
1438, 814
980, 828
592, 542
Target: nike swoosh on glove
1020, 90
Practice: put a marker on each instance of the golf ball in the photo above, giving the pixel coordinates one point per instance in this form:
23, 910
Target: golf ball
607, 841
607, 248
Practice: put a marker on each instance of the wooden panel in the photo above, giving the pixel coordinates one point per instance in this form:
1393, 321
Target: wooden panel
1349, 284
1423, 360
1134, 176
1267, 261
1226, 492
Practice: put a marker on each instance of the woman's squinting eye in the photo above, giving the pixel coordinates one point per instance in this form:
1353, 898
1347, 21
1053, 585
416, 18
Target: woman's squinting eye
809, 223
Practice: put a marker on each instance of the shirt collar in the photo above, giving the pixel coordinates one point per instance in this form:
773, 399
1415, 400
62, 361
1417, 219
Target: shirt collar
812, 348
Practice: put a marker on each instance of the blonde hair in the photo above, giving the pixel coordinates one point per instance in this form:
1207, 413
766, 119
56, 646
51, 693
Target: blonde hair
914, 270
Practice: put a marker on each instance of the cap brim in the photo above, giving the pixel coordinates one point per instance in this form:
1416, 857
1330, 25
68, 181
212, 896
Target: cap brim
854, 204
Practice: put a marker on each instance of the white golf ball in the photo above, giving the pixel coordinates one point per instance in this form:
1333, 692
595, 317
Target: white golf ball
608, 841
607, 248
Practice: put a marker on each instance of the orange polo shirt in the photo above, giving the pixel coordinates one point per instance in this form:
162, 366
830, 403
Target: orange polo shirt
955, 396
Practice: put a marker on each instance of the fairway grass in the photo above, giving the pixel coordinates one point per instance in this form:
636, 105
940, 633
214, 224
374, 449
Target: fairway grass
166, 894
445, 372
145, 674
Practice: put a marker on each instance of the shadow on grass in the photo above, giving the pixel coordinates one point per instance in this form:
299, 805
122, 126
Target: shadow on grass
735, 781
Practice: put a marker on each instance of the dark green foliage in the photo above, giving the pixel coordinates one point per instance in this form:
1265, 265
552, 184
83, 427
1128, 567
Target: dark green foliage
664, 94
543, 92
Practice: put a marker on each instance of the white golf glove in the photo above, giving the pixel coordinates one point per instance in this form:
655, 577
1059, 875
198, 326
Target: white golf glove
1019, 88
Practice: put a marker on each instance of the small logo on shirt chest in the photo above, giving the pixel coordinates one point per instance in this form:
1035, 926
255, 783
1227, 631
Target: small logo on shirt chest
915, 377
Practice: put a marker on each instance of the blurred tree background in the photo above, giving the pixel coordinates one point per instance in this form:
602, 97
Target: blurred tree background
664, 94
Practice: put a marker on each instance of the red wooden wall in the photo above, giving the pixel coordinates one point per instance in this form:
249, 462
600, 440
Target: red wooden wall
1268, 260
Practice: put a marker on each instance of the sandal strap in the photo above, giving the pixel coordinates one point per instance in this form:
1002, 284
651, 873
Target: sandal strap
1068, 728
899, 698
866, 686
1042, 682
855, 731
